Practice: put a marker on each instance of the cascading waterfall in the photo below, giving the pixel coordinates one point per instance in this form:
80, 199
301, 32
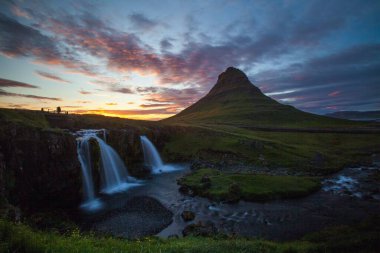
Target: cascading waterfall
152, 158
114, 175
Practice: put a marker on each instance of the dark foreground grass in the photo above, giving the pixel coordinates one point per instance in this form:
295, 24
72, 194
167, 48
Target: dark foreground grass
252, 187
363, 237
20, 238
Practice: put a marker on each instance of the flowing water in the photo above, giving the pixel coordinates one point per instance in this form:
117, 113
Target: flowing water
113, 173
152, 158
350, 190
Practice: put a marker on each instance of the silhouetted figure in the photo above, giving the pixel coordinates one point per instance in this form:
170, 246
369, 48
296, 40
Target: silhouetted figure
58, 109
42, 109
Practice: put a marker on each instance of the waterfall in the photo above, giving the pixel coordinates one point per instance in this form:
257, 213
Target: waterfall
114, 176
152, 158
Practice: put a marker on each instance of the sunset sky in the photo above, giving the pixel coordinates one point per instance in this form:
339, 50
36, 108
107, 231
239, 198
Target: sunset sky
151, 59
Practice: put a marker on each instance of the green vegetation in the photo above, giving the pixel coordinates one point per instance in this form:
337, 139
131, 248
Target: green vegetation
362, 237
313, 153
24, 117
236, 122
232, 186
21, 238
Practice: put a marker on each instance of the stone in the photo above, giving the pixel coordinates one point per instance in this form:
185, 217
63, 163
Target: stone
200, 229
188, 215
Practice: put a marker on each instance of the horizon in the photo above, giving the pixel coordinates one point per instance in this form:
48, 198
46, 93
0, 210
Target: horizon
151, 60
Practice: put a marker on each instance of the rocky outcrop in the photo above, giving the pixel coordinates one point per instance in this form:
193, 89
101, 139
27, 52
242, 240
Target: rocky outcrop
39, 168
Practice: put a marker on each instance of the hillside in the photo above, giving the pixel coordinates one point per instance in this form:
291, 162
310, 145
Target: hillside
234, 100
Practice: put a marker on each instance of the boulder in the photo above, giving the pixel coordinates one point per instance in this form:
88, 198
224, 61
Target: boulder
188, 215
200, 229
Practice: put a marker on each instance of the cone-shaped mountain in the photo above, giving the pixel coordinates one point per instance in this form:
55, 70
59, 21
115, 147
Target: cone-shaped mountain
234, 100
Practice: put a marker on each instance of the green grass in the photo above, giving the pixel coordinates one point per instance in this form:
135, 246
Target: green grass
20, 238
251, 187
363, 237
24, 117
297, 151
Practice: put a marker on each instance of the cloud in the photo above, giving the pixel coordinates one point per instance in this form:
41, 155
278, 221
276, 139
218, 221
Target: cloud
128, 112
291, 31
19, 12
155, 105
345, 76
178, 98
122, 90
111, 104
141, 22
11, 83
18, 40
10, 94
334, 93
83, 92
51, 77
165, 44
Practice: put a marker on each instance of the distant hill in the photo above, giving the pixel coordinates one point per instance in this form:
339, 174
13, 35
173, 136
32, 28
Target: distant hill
356, 115
234, 100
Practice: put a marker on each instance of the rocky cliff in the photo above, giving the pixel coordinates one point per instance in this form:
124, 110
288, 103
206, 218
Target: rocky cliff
39, 168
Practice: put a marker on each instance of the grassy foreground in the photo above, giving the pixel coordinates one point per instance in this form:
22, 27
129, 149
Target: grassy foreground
232, 186
363, 237
20, 238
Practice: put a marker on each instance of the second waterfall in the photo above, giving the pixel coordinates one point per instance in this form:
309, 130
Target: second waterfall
152, 158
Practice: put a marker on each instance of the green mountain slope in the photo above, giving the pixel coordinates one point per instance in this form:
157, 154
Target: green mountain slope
234, 100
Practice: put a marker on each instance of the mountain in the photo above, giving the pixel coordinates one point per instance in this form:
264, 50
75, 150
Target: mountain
234, 100
356, 115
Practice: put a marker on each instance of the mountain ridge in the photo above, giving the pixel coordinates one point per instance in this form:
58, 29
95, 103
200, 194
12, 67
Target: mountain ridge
234, 100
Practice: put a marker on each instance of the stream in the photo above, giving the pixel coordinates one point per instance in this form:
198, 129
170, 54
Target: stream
346, 197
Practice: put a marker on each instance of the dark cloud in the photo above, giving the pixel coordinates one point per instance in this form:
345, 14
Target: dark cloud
10, 94
122, 90
179, 98
165, 44
83, 92
142, 22
337, 79
18, 40
51, 77
144, 90
155, 105
11, 83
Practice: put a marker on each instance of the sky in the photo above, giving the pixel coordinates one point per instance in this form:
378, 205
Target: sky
151, 59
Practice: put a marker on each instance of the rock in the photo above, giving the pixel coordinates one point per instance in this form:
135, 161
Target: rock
39, 167
318, 160
205, 179
141, 216
200, 229
234, 193
206, 182
186, 190
188, 215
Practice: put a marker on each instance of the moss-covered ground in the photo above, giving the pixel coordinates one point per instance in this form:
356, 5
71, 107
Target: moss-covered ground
255, 187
